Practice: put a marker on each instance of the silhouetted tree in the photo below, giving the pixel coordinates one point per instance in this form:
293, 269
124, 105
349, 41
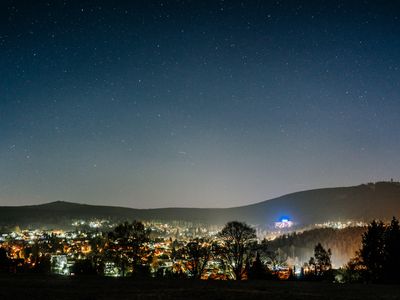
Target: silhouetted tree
392, 251
258, 270
379, 253
312, 266
4, 260
237, 239
373, 249
354, 270
320, 263
198, 253
128, 241
322, 259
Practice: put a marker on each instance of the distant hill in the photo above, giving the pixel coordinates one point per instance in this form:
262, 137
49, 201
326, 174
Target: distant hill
364, 202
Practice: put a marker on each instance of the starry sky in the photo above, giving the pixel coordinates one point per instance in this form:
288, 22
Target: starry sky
195, 103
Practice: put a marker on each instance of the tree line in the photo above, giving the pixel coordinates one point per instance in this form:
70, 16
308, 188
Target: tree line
378, 259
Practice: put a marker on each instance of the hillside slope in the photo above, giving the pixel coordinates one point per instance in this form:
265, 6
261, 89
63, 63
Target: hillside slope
365, 202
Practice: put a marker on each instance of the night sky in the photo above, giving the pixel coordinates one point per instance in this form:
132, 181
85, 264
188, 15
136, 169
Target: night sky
195, 103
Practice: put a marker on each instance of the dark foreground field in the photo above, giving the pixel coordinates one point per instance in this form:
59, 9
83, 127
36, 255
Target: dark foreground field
29, 287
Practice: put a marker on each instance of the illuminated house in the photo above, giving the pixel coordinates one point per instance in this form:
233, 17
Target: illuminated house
61, 265
110, 269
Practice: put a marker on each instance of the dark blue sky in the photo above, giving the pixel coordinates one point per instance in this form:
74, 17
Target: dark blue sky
195, 103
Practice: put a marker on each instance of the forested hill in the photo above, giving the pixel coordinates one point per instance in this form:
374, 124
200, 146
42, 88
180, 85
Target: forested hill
364, 202
299, 247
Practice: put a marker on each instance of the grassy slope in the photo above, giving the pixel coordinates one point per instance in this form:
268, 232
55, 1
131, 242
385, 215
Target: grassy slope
91, 288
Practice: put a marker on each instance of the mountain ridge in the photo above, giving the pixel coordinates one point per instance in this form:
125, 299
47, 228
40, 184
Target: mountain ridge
363, 202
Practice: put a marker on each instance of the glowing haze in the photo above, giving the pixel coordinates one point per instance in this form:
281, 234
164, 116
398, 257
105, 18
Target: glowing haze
195, 103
